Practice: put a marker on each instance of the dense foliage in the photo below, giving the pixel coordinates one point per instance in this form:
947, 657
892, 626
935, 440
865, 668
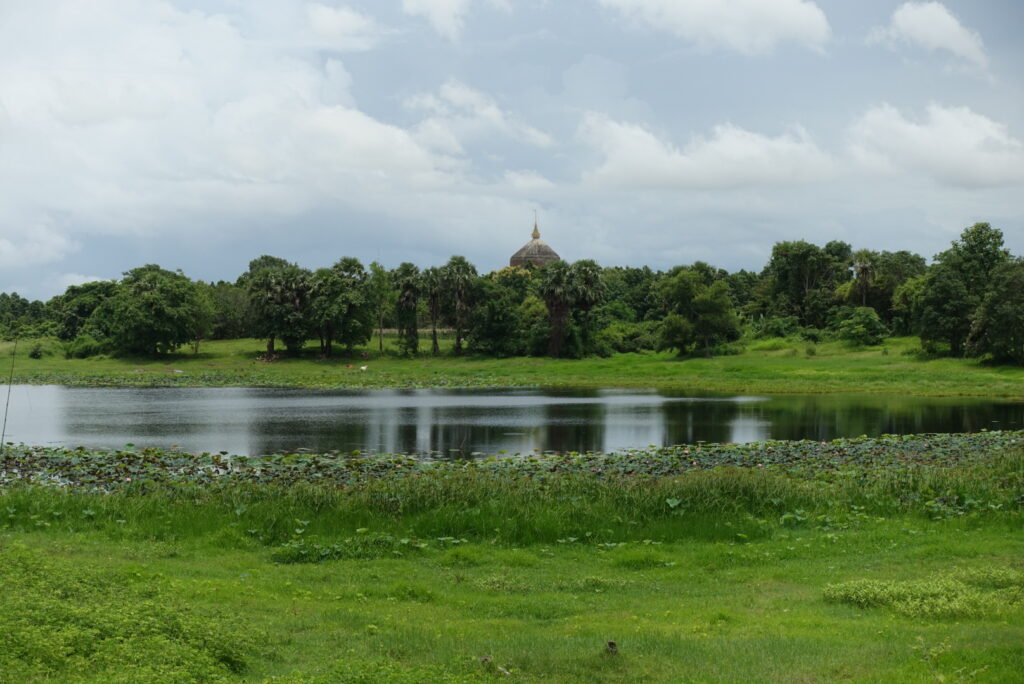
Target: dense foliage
968, 302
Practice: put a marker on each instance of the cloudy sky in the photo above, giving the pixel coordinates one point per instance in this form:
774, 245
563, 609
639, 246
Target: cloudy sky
199, 134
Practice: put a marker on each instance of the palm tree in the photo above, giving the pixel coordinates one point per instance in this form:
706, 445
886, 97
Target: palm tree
433, 287
381, 296
864, 272
589, 291
557, 289
407, 280
459, 275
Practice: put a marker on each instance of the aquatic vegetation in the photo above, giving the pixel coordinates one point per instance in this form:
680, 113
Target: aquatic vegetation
859, 459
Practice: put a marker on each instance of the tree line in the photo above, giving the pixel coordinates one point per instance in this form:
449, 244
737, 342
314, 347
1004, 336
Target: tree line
968, 302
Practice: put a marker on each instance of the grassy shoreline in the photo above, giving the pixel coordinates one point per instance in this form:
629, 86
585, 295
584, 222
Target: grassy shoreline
891, 559
765, 367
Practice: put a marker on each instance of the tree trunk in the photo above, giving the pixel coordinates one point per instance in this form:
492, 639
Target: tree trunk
558, 324
435, 347
270, 346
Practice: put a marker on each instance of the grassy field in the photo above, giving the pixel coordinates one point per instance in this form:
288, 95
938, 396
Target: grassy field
767, 366
899, 559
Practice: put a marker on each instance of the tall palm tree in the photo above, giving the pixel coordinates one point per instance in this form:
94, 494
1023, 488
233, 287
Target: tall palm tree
864, 261
407, 281
557, 289
432, 280
459, 276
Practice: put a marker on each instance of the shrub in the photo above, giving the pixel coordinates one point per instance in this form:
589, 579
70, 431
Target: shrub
776, 326
83, 347
627, 337
36, 352
863, 326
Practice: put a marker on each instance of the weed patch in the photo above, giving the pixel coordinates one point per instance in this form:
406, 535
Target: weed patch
974, 594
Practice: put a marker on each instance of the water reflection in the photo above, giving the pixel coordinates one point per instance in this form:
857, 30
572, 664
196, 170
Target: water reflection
256, 421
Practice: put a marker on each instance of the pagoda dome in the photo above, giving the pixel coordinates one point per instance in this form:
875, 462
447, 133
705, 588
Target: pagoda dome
536, 252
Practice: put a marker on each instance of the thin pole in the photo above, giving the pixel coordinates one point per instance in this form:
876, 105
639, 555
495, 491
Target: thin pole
7, 406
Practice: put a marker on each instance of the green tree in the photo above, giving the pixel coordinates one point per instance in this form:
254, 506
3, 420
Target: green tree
381, 296
357, 313
676, 333
945, 309
976, 255
407, 281
865, 267
326, 306
458, 277
999, 324
558, 290
153, 311
232, 310
701, 313
495, 328
339, 305
590, 291
571, 292
862, 326
906, 304
280, 294
803, 279
73, 308
432, 290
957, 284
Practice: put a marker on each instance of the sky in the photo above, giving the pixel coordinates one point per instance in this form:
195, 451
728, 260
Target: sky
199, 135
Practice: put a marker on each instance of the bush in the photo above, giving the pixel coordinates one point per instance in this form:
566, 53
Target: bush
83, 347
36, 352
626, 337
863, 326
777, 326
812, 335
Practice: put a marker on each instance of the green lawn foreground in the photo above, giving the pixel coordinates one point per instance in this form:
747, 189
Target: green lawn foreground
766, 366
867, 560
677, 612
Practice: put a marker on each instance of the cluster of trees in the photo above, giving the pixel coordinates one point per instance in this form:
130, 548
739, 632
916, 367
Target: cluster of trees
969, 301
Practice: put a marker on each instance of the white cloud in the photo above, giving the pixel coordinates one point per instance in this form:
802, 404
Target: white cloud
930, 25
445, 16
468, 114
34, 245
155, 116
634, 157
745, 26
343, 28
528, 181
66, 280
953, 145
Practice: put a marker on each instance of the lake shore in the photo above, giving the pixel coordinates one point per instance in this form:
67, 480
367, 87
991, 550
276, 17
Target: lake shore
777, 366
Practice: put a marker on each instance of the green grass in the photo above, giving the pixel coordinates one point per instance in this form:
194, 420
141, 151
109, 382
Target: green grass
767, 366
903, 562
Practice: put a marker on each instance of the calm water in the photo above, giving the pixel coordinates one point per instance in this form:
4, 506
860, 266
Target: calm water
259, 421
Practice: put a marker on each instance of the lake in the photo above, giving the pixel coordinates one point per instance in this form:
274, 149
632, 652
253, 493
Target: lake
461, 422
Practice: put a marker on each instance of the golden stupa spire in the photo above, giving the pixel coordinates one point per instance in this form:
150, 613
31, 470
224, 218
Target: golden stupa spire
536, 232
